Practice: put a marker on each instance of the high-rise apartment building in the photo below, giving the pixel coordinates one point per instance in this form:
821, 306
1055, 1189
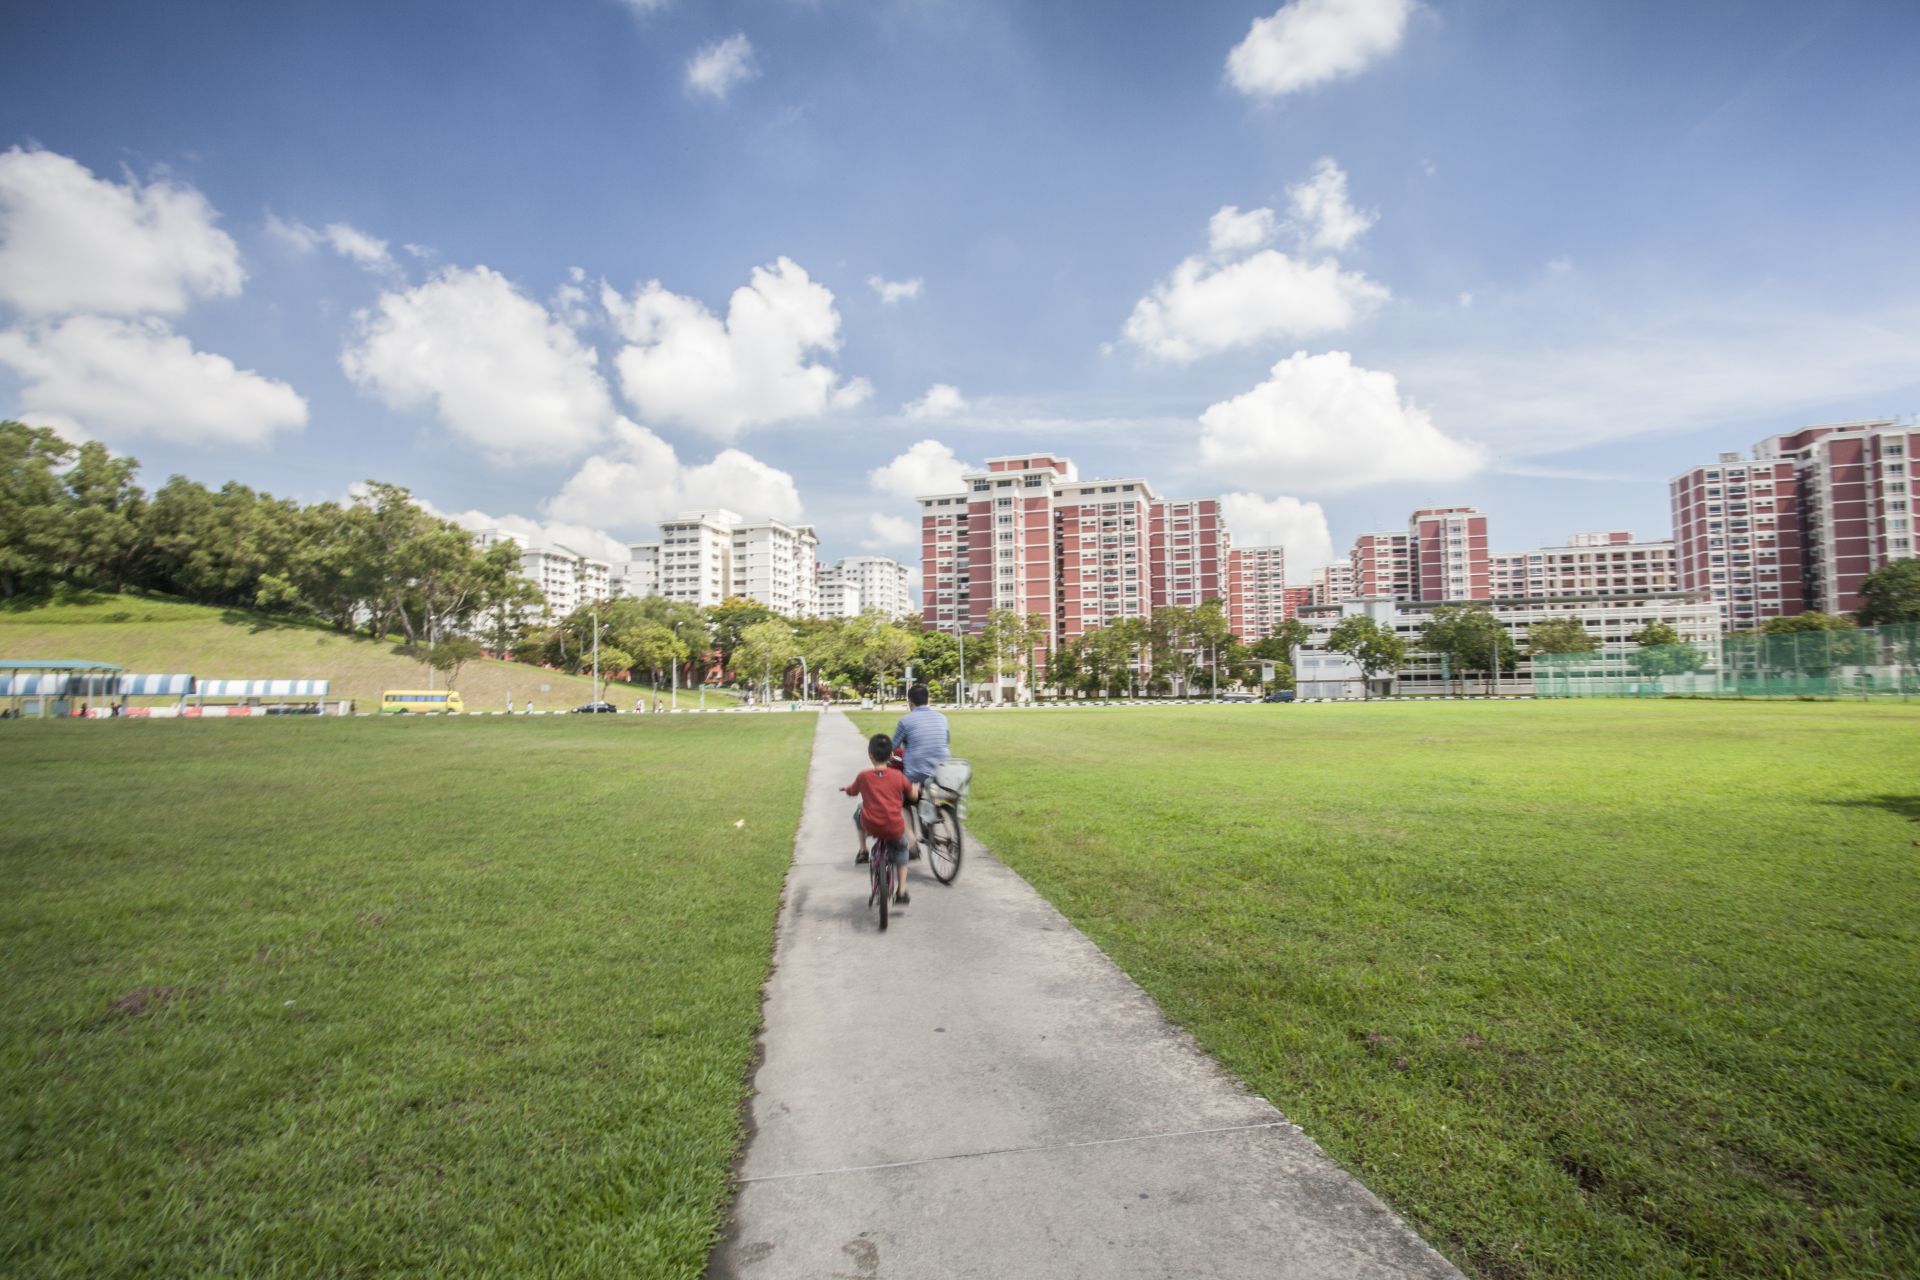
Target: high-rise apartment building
695, 550
857, 583
1801, 524
1028, 535
640, 575
1257, 590
773, 563
1294, 599
1447, 553
1382, 565
567, 578
1332, 584
1854, 481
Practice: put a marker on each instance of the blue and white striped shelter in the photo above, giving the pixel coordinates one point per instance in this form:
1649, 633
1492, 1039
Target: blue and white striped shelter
261, 689
155, 686
53, 683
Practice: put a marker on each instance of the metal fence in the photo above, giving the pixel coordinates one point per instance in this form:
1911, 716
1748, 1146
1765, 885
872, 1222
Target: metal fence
1864, 662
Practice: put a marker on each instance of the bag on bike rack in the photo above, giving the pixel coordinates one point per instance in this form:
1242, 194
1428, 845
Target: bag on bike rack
951, 778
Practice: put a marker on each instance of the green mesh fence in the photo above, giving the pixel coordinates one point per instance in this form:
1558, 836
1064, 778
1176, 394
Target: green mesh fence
1867, 662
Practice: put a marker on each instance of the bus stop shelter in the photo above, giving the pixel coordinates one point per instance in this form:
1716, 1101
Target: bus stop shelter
42, 687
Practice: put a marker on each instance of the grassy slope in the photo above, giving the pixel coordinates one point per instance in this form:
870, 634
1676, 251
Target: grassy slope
1583, 989
161, 636
382, 997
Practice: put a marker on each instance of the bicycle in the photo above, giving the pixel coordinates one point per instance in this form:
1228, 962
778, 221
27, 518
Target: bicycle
880, 878
940, 832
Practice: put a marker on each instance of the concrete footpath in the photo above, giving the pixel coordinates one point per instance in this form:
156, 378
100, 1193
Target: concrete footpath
979, 1092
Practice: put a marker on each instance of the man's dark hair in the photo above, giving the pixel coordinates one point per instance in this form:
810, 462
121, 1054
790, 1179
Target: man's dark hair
917, 696
879, 748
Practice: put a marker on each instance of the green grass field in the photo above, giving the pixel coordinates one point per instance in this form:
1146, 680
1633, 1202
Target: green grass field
1582, 989
357, 998
160, 636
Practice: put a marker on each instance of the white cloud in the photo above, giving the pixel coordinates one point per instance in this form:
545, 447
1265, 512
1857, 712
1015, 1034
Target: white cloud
686, 365
889, 533
70, 242
1321, 212
641, 480
116, 378
1321, 423
1231, 232
495, 366
351, 242
1300, 527
1204, 307
928, 467
1466, 300
891, 291
1565, 372
718, 67
1311, 41
644, 7
941, 401
348, 241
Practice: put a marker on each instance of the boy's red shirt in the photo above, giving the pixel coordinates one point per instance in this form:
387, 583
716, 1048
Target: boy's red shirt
883, 792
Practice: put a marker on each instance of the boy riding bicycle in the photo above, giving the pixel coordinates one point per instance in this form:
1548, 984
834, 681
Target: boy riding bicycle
884, 795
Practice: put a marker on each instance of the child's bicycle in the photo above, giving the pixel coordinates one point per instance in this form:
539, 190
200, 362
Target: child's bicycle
880, 881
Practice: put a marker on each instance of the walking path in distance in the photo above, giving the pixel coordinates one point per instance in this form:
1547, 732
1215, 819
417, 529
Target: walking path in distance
979, 1092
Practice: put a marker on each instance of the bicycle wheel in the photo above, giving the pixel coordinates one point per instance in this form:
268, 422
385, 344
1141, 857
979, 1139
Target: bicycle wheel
944, 843
883, 880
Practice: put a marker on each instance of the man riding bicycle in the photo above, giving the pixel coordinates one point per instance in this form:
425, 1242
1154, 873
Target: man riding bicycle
921, 739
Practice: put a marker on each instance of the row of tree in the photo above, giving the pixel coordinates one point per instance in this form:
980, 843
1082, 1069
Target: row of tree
75, 516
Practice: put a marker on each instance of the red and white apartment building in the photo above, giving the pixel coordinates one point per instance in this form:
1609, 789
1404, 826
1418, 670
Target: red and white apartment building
1799, 525
1258, 597
1027, 534
1331, 584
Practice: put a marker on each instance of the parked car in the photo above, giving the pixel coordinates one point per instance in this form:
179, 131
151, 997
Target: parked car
1280, 695
1239, 697
594, 708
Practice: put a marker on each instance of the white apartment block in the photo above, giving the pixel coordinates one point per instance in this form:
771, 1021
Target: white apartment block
696, 548
859, 583
839, 598
567, 578
773, 563
1614, 622
640, 575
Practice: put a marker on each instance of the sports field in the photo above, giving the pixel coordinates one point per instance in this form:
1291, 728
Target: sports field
1582, 989
441, 997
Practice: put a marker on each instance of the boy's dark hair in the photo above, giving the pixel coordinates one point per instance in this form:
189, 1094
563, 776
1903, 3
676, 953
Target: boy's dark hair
879, 748
917, 696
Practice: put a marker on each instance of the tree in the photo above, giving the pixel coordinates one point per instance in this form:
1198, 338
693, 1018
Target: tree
728, 621
451, 654
1560, 635
1212, 633
34, 539
764, 650
1811, 620
1661, 652
1170, 634
1373, 648
653, 647
1891, 594
1471, 639
936, 658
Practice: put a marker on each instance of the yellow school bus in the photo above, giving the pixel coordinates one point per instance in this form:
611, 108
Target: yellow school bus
419, 702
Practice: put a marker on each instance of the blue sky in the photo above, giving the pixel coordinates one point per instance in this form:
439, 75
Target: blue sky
1338, 258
